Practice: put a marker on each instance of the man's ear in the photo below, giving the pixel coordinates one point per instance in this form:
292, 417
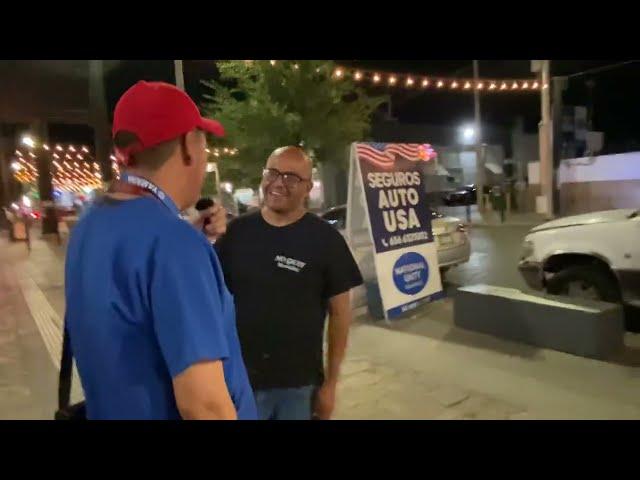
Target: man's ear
185, 150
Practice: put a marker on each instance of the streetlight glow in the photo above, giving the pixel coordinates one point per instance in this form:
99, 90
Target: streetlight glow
28, 141
468, 133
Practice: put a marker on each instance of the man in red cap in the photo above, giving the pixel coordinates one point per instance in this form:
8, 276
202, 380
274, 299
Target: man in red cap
150, 320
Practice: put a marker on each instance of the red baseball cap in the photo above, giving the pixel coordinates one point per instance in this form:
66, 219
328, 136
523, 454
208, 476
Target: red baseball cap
157, 112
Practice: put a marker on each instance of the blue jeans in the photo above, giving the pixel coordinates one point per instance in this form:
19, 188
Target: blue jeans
285, 403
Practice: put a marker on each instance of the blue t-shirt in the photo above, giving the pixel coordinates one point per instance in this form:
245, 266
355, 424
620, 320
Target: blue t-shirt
146, 299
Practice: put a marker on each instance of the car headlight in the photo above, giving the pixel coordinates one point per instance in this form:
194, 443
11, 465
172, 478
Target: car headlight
527, 249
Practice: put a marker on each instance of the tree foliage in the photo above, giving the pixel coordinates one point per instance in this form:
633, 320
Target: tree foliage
264, 106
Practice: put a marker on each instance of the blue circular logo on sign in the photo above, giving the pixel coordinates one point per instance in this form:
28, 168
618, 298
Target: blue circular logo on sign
411, 273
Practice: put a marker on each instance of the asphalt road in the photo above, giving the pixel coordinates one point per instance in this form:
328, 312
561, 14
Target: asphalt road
495, 252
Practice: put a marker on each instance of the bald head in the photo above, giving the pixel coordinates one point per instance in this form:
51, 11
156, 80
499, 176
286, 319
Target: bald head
287, 181
295, 159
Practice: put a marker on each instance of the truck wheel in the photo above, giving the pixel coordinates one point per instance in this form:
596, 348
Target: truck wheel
585, 281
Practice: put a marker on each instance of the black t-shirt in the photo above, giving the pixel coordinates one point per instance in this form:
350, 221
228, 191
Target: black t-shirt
282, 279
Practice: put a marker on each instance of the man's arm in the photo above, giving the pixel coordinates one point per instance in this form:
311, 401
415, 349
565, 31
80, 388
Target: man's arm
189, 323
338, 334
201, 393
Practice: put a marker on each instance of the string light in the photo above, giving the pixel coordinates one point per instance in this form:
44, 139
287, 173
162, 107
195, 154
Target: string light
409, 81
45, 146
296, 66
59, 148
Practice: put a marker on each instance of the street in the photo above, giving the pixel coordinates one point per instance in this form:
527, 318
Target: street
421, 367
424, 367
495, 252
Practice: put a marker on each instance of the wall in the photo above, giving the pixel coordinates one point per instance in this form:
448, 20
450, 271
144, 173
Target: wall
599, 183
587, 197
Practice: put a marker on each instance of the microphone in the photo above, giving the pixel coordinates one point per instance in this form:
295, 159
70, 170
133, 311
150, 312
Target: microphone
203, 204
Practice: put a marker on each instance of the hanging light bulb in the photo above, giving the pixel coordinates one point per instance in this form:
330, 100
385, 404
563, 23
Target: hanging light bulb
376, 78
480, 86
525, 85
440, 84
503, 86
535, 85
392, 80
338, 73
357, 75
514, 86
454, 84
410, 82
493, 86
467, 85
425, 83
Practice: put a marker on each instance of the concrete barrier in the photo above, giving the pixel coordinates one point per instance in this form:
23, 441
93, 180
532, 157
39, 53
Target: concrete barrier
581, 327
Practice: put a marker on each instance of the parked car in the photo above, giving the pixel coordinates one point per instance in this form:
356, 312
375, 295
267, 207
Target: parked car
596, 256
454, 247
465, 195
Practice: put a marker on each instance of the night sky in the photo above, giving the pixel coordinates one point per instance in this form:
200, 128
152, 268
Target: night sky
616, 94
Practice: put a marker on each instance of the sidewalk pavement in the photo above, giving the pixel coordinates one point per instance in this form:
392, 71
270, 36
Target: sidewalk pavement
424, 367
421, 367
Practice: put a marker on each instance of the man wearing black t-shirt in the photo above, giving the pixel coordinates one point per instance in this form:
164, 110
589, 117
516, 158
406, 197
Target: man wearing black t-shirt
287, 268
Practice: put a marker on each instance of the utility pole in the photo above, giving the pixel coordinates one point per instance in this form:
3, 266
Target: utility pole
545, 138
99, 118
478, 132
177, 65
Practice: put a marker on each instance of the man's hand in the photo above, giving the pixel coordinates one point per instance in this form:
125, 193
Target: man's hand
218, 221
325, 401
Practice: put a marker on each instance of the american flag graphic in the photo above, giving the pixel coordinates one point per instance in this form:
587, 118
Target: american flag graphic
383, 155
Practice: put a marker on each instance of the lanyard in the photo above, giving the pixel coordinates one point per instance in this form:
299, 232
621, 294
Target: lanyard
135, 185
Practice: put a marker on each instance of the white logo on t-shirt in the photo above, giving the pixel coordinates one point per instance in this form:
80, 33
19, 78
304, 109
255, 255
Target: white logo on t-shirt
289, 263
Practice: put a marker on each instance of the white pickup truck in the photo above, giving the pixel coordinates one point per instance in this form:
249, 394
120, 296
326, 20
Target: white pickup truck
595, 255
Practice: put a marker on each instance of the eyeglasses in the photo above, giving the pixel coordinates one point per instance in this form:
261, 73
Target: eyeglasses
289, 179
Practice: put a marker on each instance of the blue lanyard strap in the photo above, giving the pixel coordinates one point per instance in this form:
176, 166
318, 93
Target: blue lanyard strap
144, 185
